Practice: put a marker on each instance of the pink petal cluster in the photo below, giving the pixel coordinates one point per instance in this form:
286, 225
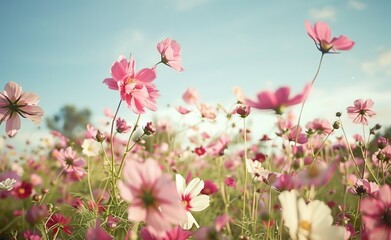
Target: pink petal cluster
170, 52
153, 196
361, 110
14, 103
136, 89
278, 100
70, 162
376, 214
321, 34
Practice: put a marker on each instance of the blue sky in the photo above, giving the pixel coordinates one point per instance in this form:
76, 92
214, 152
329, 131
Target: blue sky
62, 50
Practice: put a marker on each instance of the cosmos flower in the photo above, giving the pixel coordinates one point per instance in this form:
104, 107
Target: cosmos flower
312, 221
191, 198
153, 196
14, 103
58, 222
278, 100
361, 111
321, 34
70, 162
170, 52
136, 89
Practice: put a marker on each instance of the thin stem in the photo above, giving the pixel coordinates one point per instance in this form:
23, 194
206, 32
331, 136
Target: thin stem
350, 149
245, 173
305, 99
112, 139
89, 178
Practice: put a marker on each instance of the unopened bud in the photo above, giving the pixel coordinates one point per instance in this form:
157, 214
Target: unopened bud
100, 137
336, 125
149, 129
338, 114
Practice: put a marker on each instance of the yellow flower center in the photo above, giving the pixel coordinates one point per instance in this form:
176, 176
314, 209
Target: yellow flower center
305, 225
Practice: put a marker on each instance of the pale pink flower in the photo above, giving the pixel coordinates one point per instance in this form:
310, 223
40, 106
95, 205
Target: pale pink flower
190, 96
321, 34
278, 100
14, 103
376, 214
70, 162
176, 233
136, 89
361, 110
207, 111
239, 94
317, 174
97, 233
170, 52
363, 187
183, 110
217, 147
320, 126
153, 196
191, 198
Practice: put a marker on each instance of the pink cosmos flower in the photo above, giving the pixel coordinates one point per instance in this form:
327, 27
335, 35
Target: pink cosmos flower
14, 103
320, 126
97, 233
363, 187
58, 222
376, 214
361, 110
183, 110
278, 100
70, 162
176, 233
170, 52
190, 96
321, 34
122, 126
136, 89
153, 196
31, 235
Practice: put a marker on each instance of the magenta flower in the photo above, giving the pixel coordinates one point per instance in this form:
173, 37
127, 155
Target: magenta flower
321, 34
170, 52
59, 222
97, 233
153, 196
70, 162
14, 103
278, 100
361, 110
136, 89
176, 233
376, 214
122, 126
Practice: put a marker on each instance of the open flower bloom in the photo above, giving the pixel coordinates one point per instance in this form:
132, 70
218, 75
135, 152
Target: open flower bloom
153, 196
278, 100
361, 110
256, 170
136, 89
14, 103
321, 34
191, 198
308, 221
170, 52
70, 162
376, 214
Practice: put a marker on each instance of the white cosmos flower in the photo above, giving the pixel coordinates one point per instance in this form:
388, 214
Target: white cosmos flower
91, 147
191, 200
312, 221
7, 184
256, 170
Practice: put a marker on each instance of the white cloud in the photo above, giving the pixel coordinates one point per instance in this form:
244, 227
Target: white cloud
356, 4
379, 66
326, 13
185, 5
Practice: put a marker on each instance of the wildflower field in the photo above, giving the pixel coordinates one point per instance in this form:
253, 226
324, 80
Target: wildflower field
179, 180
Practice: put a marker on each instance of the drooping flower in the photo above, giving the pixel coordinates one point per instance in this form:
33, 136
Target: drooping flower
170, 52
278, 100
191, 198
122, 126
376, 214
361, 111
308, 221
321, 34
153, 196
70, 162
58, 222
136, 89
14, 103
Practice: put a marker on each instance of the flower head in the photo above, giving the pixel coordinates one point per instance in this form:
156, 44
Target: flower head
14, 103
191, 198
58, 222
70, 162
136, 89
278, 100
91, 148
7, 184
308, 221
361, 110
122, 126
376, 214
321, 34
170, 52
153, 196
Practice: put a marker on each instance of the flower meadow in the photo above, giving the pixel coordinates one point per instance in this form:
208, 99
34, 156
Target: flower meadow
178, 180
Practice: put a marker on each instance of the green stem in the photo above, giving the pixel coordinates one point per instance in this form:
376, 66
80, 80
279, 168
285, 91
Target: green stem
245, 173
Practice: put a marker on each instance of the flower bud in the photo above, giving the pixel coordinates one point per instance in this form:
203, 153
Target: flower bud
100, 137
338, 114
382, 142
149, 129
336, 125
243, 111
